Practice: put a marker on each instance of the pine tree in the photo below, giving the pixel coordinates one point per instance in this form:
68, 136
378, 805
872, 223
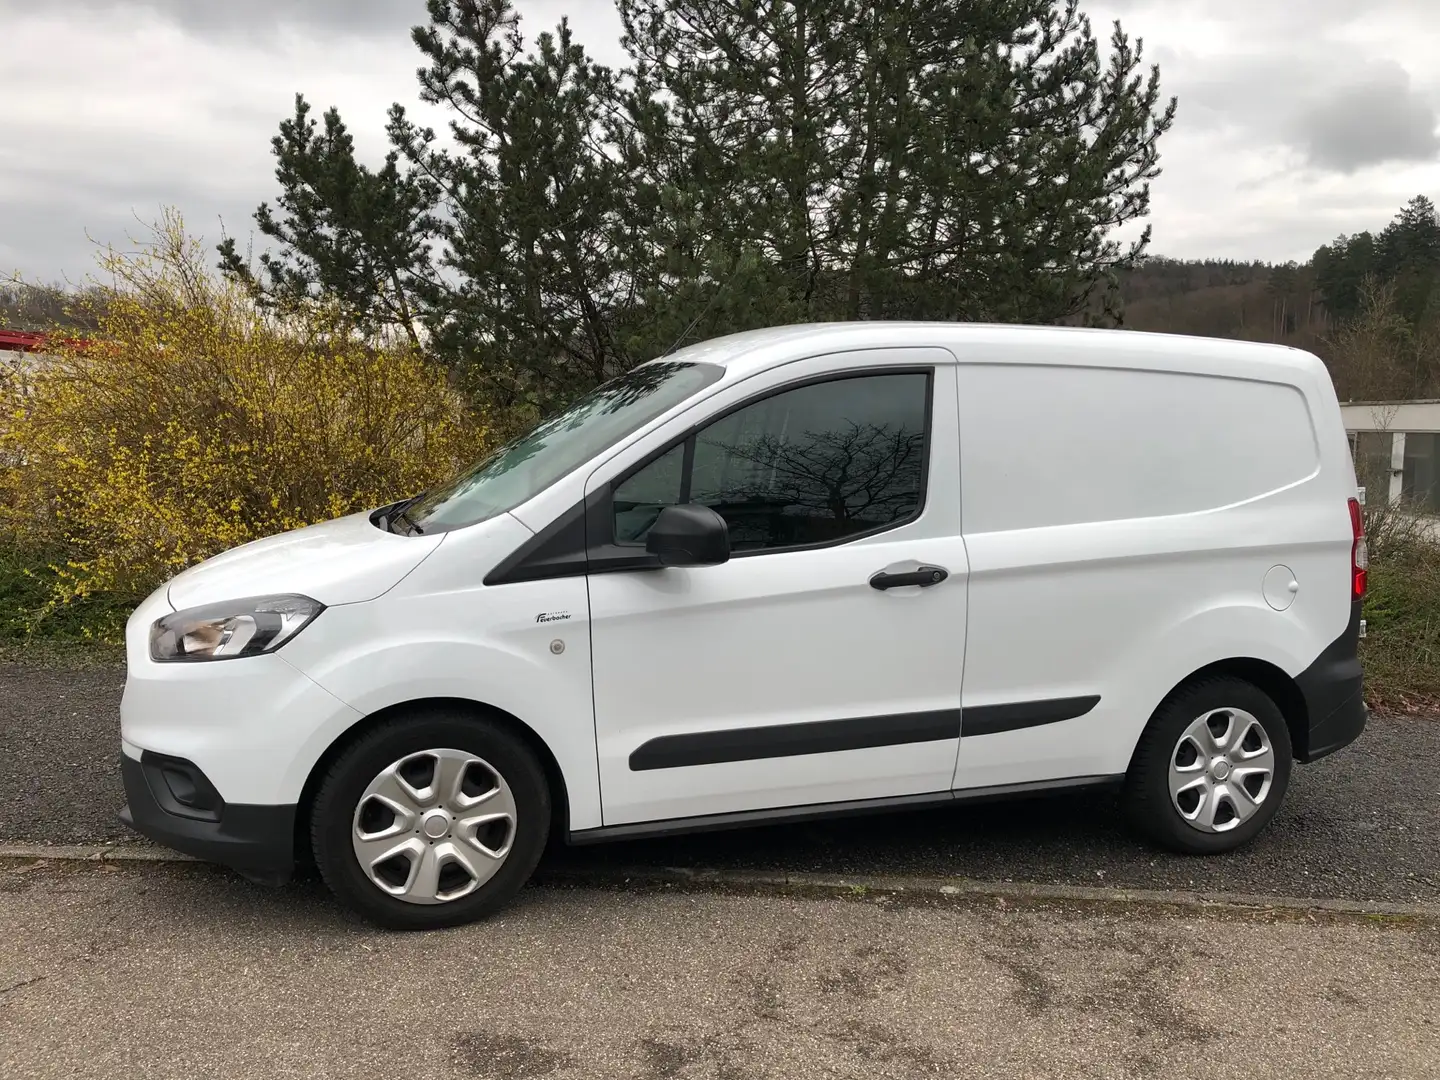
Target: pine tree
1341, 269
1411, 241
541, 222
347, 234
923, 158
759, 162
1407, 255
1404, 258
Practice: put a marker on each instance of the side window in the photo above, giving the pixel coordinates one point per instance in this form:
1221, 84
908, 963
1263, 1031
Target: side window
813, 465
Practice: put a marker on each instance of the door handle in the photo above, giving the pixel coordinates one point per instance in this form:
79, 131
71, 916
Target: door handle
924, 576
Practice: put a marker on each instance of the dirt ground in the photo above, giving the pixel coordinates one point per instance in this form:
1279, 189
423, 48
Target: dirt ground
185, 971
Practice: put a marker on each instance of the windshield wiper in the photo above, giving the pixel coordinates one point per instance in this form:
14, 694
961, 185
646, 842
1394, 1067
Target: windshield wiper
401, 513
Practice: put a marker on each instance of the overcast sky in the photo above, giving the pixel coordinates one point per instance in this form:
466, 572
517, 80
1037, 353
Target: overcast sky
1299, 119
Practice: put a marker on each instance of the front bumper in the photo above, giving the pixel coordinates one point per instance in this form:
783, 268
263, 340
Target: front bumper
173, 803
255, 726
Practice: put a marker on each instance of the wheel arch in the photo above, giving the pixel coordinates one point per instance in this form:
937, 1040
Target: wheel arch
554, 775
1273, 682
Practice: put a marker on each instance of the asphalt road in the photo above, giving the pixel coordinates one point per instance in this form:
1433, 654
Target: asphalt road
1360, 825
179, 971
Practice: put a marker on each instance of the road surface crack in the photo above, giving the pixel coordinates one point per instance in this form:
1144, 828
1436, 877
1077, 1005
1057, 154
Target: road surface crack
22, 984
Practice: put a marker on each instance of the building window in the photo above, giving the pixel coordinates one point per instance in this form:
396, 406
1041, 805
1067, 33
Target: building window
1371, 451
1421, 481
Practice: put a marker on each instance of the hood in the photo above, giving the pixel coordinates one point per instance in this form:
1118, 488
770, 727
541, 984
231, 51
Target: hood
345, 561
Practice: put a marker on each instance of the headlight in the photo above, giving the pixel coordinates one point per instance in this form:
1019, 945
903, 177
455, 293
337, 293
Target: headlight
248, 627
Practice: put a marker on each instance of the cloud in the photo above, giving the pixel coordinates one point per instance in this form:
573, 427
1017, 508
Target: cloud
1314, 15
155, 115
112, 218
251, 18
392, 19
1377, 119
121, 106
1285, 109
1339, 111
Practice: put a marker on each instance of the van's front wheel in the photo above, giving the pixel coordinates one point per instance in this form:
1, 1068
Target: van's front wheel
430, 820
1211, 769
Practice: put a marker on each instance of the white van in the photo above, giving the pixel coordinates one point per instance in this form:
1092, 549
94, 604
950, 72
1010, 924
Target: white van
785, 574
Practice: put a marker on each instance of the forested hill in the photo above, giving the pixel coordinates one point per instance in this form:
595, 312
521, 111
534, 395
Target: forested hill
1216, 297
1392, 274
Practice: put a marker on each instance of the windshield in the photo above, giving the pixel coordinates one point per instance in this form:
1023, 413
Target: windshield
527, 466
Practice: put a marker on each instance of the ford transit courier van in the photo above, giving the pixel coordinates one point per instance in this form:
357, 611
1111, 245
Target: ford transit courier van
788, 573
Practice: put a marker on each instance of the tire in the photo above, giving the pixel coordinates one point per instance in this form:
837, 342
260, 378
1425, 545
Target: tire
1174, 740
386, 769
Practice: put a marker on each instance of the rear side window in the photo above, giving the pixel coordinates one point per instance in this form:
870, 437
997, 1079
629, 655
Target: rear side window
815, 465
1059, 445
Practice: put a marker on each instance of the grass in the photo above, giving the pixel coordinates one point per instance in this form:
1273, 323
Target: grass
27, 581
1401, 650
61, 655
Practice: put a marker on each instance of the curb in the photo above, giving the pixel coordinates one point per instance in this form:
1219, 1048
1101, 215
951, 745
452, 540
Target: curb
91, 853
848, 886
1019, 893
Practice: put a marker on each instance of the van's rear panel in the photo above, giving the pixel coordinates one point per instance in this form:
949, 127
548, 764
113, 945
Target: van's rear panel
1133, 518
1334, 691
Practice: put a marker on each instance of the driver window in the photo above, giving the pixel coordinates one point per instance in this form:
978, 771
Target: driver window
813, 465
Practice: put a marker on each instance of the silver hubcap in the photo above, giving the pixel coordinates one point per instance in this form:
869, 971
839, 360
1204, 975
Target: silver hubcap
434, 826
1221, 770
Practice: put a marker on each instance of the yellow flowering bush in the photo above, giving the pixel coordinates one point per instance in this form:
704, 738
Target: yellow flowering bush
192, 421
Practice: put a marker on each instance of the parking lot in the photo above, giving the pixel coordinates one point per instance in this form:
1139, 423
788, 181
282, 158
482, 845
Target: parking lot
1359, 826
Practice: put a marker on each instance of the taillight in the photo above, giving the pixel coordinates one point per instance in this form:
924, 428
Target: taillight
1359, 555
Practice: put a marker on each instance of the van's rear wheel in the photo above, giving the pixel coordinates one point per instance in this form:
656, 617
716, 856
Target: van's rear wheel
1211, 768
430, 820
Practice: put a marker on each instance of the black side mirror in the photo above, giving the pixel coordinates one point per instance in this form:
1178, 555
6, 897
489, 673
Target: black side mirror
689, 535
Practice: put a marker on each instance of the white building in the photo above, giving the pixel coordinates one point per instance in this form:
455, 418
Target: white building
1396, 445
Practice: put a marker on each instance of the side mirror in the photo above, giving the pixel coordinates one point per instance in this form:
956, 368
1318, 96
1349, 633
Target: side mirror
689, 535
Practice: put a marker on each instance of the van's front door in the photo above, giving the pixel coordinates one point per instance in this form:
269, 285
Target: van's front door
803, 671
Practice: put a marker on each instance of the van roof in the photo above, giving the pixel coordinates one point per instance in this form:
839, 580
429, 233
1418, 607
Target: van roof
758, 349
